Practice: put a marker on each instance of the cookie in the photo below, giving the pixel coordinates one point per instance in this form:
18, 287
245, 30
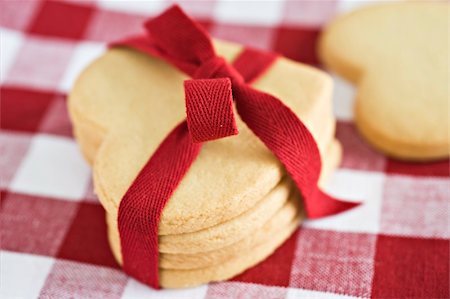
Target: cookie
254, 237
228, 232
134, 100
244, 254
230, 268
189, 261
397, 56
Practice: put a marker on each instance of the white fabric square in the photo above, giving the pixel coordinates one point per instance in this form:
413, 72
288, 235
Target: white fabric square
308, 13
52, 167
249, 12
343, 98
345, 6
416, 206
366, 187
143, 7
10, 43
23, 275
294, 293
71, 279
235, 289
83, 55
40, 62
335, 262
136, 290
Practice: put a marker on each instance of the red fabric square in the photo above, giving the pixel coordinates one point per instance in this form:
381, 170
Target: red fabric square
86, 240
416, 206
411, 268
13, 147
297, 43
276, 269
335, 262
34, 224
90, 195
237, 290
56, 120
357, 154
17, 14
69, 279
23, 109
439, 168
205, 23
61, 19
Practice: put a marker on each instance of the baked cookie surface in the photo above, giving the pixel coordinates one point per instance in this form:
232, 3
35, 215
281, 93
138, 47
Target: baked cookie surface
397, 55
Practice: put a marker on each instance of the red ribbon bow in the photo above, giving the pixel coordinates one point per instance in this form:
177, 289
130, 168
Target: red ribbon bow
174, 37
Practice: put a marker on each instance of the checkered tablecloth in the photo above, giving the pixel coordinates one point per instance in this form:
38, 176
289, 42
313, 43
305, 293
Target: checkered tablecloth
53, 232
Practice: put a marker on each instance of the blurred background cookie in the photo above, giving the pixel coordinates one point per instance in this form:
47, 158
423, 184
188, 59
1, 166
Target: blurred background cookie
397, 55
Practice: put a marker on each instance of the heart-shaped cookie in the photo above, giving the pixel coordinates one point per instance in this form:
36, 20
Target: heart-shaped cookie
397, 55
126, 102
134, 100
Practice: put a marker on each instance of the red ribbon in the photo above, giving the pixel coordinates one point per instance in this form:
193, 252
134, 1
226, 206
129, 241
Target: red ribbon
174, 37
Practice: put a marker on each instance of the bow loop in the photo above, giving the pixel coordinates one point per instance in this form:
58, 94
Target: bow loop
173, 30
209, 109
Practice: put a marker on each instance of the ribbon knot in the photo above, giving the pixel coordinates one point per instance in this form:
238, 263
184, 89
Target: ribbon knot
209, 100
217, 67
209, 109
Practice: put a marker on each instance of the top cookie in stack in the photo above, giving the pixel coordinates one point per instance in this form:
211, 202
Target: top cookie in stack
235, 205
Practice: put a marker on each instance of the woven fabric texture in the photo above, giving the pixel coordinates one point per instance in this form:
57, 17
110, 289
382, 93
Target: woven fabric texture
53, 231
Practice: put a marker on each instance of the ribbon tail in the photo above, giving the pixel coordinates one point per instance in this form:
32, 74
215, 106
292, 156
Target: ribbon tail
142, 205
291, 142
323, 205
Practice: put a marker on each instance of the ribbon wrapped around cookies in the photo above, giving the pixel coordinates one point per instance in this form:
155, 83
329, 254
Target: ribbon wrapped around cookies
177, 39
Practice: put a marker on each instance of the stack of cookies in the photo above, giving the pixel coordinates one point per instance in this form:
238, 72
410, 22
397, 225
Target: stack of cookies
236, 204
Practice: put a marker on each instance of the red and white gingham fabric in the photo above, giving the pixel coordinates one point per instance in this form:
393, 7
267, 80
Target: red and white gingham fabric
53, 233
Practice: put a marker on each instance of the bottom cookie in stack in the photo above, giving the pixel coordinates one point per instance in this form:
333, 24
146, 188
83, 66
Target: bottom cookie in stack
189, 267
